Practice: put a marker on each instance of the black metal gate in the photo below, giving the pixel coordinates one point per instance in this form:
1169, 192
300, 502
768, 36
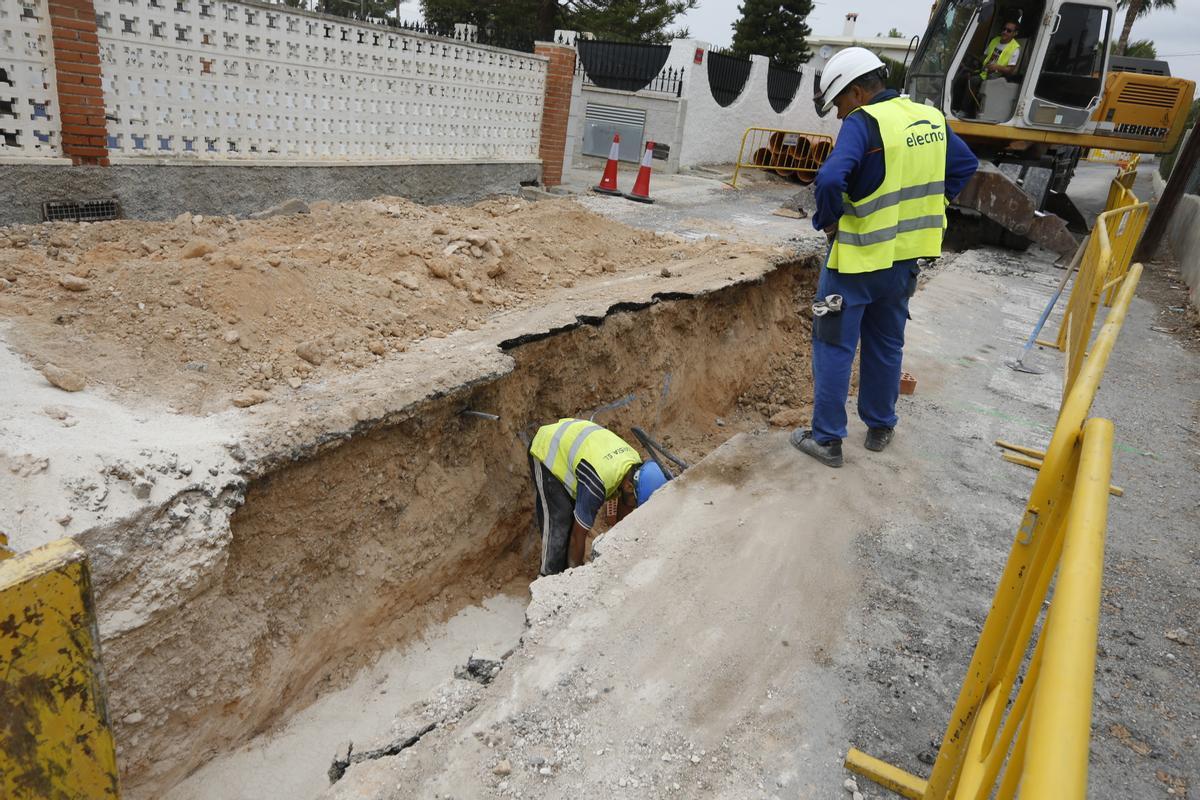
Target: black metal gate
782, 85
624, 66
727, 76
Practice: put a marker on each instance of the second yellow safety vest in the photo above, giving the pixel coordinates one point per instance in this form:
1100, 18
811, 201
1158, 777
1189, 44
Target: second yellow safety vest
905, 217
564, 444
1005, 59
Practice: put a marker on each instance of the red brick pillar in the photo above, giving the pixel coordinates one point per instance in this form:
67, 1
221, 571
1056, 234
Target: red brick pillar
556, 108
77, 68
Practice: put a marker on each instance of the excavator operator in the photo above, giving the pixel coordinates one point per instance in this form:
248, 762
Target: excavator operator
1001, 58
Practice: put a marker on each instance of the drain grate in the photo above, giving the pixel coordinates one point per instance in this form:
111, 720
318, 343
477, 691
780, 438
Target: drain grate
81, 210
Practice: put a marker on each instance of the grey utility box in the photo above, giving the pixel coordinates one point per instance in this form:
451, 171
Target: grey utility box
601, 122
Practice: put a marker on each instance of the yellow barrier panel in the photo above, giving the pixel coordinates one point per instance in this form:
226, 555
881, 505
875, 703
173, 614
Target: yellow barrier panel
786, 153
1120, 191
987, 738
55, 738
1105, 262
1107, 156
1061, 725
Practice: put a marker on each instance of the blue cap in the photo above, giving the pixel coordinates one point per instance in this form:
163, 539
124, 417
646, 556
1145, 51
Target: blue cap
647, 480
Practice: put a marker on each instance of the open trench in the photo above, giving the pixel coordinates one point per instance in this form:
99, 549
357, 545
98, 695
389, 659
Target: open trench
336, 559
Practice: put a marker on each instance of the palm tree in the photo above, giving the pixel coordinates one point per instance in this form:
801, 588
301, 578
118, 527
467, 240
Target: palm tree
1142, 48
1135, 9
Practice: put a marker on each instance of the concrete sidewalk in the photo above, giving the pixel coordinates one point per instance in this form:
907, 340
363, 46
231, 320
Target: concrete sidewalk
701, 204
765, 612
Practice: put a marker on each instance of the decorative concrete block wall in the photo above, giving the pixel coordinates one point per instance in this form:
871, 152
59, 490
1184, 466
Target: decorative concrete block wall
30, 124
238, 80
229, 106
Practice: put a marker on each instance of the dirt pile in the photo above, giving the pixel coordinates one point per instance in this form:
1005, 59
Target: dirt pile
200, 311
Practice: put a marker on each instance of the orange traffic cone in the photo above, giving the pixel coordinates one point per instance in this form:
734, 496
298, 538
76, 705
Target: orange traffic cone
608, 183
641, 187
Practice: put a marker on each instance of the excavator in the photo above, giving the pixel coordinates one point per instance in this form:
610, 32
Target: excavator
1029, 128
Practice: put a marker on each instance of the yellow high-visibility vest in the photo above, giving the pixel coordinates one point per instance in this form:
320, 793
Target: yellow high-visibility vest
905, 217
564, 444
1005, 59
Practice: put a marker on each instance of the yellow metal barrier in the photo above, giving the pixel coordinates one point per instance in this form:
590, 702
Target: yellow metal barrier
991, 731
1120, 191
1061, 724
794, 154
55, 738
1107, 156
1105, 262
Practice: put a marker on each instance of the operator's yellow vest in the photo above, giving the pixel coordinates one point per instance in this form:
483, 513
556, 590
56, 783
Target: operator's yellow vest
906, 216
1005, 59
563, 445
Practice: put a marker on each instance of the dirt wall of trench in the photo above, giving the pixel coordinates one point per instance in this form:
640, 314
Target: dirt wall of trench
338, 558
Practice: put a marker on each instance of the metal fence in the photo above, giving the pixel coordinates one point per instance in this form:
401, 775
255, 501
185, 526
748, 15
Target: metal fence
789, 154
509, 40
361, 11
782, 85
727, 76
669, 81
627, 67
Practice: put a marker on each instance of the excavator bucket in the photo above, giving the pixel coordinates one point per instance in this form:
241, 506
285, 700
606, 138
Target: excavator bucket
1007, 198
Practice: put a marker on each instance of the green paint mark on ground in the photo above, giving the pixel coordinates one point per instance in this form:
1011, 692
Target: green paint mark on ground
1029, 424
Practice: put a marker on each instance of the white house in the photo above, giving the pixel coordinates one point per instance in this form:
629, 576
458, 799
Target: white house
823, 47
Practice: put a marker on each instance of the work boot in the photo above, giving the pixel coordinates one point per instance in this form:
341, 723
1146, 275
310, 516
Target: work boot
828, 454
879, 438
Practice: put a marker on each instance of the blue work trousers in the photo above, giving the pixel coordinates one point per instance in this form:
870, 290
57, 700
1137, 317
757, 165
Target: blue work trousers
875, 309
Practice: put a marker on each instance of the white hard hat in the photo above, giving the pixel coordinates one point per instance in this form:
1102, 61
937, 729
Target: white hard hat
839, 71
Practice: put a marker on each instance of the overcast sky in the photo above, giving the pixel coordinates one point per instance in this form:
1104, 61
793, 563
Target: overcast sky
1176, 34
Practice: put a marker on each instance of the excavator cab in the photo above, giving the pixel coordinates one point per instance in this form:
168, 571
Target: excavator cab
1059, 79
1034, 113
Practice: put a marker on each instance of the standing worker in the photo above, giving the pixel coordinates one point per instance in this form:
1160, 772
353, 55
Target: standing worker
881, 199
578, 465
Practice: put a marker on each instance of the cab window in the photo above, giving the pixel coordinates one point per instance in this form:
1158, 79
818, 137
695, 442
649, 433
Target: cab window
1073, 69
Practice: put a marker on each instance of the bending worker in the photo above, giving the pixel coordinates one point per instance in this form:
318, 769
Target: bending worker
881, 198
578, 465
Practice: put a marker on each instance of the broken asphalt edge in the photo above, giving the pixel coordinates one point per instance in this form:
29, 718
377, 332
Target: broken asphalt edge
335, 411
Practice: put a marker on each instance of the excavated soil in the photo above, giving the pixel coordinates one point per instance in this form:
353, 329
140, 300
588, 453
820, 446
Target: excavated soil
202, 311
348, 553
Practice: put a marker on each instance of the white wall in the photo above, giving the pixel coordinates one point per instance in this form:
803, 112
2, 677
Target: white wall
1183, 234
712, 134
698, 129
228, 80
